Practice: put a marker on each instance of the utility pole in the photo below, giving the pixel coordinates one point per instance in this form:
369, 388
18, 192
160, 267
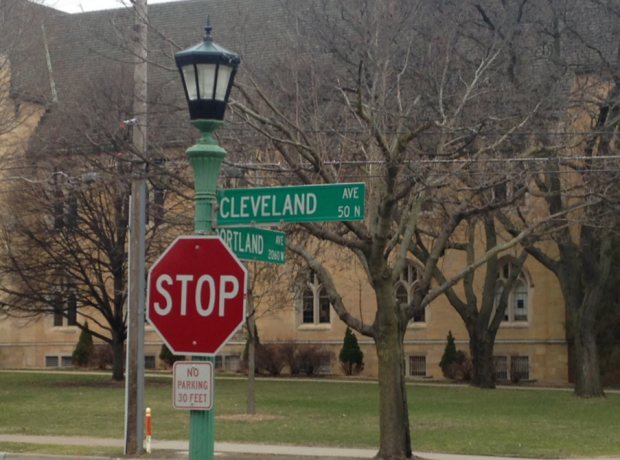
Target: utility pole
134, 383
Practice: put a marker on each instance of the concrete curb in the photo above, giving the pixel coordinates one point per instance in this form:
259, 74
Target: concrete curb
181, 447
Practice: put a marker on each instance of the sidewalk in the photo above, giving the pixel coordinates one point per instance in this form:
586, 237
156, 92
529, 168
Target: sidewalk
224, 450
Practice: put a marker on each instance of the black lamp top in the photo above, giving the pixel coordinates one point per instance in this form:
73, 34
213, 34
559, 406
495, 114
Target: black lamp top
207, 52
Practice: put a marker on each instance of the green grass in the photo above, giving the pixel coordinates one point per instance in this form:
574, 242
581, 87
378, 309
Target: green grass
457, 419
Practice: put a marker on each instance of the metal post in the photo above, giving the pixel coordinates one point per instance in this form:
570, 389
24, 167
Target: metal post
205, 157
134, 425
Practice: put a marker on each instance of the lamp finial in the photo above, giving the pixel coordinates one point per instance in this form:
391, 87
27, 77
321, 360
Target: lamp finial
208, 29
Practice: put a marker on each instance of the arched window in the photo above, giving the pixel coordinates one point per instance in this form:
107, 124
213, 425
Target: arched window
315, 303
405, 287
517, 308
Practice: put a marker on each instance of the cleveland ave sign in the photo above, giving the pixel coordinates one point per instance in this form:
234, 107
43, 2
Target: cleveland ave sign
303, 203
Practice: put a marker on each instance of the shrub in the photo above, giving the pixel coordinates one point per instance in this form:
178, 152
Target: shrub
454, 363
289, 351
270, 358
449, 354
84, 348
310, 357
351, 356
102, 356
167, 357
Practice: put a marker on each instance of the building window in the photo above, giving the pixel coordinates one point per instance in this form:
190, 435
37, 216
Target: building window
64, 309
315, 303
58, 209
500, 367
517, 307
72, 211
417, 366
405, 288
519, 368
72, 309
159, 198
57, 307
514, 368
230, 363
149, 362
58, 361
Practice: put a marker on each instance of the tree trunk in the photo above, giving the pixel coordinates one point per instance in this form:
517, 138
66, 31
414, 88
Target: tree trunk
587, 367
118, 355
481, 351
395, 437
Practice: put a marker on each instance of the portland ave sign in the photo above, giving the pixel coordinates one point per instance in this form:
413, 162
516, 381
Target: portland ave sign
304, 203
196, 295
257, 244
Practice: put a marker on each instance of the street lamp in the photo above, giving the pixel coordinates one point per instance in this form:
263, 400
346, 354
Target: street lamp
207, 72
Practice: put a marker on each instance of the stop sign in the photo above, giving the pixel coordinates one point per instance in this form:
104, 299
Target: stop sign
196, 295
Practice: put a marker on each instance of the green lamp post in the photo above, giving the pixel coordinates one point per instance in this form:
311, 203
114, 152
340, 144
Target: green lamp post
207, 72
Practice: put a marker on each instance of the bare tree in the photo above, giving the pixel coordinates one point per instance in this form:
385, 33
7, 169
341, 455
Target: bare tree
400, 95
579, 252
65, 243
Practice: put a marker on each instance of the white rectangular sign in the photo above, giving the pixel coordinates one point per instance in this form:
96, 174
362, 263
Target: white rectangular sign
193, 385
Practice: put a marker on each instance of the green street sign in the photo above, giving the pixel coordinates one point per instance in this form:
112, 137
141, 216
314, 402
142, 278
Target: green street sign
302, 203
258, 244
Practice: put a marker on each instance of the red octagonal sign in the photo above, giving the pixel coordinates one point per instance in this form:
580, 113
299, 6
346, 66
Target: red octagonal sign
196, 295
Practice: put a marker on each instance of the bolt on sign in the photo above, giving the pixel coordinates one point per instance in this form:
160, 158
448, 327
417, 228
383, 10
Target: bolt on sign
193, 385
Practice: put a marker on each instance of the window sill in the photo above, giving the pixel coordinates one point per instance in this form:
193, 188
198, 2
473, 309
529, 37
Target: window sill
65, 329
417, 325
315, 327
515, 324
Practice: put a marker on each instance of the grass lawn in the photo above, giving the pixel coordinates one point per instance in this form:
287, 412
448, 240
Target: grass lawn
456, 419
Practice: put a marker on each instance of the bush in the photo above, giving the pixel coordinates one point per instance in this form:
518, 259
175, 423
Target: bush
454, 363
288, 351
449, 354
270, 359
273, 357
84, 348
309, 358
167, 357
102, 356
351, 356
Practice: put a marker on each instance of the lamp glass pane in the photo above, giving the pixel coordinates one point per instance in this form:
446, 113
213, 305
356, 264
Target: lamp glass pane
206, 80
189, 75
223, 76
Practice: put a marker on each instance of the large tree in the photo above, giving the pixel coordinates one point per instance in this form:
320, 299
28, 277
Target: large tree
400, 95
579, 252
64, 245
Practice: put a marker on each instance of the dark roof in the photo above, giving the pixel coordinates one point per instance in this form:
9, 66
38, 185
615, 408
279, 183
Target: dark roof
90, 54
